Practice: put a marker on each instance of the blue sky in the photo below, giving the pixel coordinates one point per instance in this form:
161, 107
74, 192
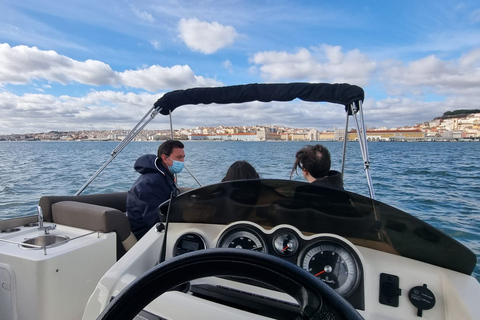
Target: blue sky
82, 65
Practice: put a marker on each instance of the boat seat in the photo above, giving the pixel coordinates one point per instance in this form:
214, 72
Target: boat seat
96, 212
95, 218
117, 200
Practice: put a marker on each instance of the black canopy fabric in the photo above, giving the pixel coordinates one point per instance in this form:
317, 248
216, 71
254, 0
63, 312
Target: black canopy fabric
341, 93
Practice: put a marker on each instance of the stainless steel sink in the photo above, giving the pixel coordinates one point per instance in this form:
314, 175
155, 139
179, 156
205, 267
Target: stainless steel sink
47, 240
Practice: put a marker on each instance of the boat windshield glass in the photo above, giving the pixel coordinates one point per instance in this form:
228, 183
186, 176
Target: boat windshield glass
314, 209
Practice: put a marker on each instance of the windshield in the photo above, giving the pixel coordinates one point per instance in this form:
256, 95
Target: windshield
314, 209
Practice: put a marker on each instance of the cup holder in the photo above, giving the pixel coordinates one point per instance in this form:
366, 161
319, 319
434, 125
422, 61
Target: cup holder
10, 230
48, 240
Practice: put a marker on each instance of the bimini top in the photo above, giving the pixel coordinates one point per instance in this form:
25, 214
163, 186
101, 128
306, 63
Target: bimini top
342, 93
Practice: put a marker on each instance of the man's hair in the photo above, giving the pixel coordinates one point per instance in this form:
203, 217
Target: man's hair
168, 146
314, 159
241, 170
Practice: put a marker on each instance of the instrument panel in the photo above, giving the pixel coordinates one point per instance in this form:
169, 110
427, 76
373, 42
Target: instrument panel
329, 258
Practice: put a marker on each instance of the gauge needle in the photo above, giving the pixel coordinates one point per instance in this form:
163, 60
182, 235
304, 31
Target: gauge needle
257, 248
285, 248
320, 273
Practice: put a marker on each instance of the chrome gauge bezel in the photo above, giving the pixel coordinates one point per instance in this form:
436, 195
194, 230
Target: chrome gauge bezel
342, 276
177, 250
285, 243
237, 235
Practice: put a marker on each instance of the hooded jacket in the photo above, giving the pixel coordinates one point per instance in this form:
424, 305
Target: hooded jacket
155, 186
332, 180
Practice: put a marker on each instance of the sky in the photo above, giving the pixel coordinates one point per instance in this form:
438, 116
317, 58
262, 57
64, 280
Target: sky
101, 65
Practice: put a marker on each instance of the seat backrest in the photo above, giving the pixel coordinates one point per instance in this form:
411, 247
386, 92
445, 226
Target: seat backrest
96, 212
117, 200
95, 218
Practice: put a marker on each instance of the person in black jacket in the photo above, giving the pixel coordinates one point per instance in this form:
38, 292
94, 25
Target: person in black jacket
315, 162
155, 185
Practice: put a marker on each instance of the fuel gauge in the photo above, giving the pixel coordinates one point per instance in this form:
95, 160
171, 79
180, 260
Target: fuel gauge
285, 243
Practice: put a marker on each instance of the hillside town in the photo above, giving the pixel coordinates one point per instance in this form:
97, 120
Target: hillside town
464, 127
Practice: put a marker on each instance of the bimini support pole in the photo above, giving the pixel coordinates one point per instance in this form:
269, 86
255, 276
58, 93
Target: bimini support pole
362, 140
345, 146
171, 124
131, 135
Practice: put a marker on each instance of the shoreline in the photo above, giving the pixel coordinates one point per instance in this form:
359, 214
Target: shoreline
210, 140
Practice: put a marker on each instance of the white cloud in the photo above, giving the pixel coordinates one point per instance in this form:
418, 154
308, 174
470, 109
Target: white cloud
156, 78
206, 37
43, 112
323, 64
22, 64
432, 74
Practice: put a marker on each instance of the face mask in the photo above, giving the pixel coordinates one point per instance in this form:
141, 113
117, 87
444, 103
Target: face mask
176, 167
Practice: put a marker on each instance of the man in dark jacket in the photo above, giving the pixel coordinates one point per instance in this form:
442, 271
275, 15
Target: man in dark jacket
155, 185
315, 162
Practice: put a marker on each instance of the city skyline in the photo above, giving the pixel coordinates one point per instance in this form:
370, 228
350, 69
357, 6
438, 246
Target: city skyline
452, 127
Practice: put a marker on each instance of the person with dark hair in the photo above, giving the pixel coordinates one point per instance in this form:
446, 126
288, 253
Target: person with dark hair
155, 185
240, 170
315, 162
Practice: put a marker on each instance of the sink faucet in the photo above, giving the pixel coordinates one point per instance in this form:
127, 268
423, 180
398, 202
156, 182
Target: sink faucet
40, 221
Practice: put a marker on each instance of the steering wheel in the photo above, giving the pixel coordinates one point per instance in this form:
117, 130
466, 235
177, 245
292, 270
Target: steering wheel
316, 299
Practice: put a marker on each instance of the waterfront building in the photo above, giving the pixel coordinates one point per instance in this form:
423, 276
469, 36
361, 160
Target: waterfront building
264, 133
244, 136
197, 136
390, 135
326, 136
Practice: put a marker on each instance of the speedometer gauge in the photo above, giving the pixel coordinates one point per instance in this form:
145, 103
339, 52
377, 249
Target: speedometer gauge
333, 264
242, 238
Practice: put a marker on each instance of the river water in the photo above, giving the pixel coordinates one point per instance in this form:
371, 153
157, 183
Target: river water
438, 182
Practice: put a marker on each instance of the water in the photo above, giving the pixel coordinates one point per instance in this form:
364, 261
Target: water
438, 182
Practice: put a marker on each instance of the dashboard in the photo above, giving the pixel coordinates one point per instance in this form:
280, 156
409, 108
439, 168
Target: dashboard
363, 249
330, 258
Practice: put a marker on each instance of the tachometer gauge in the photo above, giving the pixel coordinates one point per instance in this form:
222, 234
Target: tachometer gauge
242, 238
285, 243
333, 264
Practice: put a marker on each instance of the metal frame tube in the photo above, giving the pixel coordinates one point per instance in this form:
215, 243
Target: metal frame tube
345, 146
131, 135
171, 124
362, 140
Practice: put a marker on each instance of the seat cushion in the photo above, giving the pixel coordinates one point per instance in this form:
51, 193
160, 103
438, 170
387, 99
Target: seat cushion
91, 217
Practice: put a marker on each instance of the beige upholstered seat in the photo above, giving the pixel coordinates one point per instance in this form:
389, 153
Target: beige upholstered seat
98, 212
